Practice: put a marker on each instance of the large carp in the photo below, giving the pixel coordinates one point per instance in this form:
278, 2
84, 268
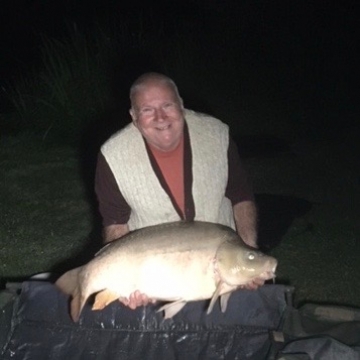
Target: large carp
174, 262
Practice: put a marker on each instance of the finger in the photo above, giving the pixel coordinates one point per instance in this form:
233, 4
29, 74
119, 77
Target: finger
132, 304
251, 286
140, 299
124, 300
136, 294
259, 282
144, 299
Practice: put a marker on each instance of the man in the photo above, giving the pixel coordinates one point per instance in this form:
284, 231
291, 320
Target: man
171, 164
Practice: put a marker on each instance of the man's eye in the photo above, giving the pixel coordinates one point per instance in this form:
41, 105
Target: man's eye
146, 110
168, 105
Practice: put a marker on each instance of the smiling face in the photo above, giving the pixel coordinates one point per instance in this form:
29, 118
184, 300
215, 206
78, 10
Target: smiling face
158, 113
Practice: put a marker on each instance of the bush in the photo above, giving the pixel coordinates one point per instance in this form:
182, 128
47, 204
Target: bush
71, 86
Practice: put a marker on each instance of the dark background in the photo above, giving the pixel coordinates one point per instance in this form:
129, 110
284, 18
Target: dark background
304, 51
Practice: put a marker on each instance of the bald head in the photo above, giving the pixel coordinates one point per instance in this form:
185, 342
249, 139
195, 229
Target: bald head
150, 79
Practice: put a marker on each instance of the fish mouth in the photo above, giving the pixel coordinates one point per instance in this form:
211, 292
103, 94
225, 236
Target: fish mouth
269, 274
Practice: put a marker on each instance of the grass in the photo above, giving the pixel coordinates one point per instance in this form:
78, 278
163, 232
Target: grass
45, 213
47, 220
318, 254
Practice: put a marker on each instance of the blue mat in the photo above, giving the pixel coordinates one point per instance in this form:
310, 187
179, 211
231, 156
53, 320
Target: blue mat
41, 328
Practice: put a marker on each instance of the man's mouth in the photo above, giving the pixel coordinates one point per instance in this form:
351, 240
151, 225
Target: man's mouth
161, 128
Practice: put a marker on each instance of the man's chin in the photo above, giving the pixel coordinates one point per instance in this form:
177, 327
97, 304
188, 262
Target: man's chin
166, 146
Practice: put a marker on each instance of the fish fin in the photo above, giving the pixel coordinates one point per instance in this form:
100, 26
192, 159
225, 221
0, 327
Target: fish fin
68, 282
214, 297
104, 298
76, 305
102, 249
224, 301
172, 308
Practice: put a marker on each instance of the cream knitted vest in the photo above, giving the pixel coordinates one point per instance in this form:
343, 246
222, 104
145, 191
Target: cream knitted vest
127, 157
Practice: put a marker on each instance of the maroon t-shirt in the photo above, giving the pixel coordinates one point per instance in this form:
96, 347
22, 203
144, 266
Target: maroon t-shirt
115, 210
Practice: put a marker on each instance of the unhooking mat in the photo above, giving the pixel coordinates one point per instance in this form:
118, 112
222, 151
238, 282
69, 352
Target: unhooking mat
257, 325
39, 327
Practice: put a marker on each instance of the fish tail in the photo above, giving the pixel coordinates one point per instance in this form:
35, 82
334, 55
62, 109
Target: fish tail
69, 284
76, 305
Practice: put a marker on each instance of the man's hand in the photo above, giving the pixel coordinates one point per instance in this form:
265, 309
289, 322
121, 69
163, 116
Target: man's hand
254, 284
136, 299
245, 215
113, 232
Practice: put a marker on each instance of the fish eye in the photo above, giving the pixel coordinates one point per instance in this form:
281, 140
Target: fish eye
251, 256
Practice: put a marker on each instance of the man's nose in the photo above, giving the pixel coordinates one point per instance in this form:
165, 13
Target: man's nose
160, 114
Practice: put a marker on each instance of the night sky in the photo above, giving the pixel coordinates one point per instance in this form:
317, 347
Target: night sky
306, 47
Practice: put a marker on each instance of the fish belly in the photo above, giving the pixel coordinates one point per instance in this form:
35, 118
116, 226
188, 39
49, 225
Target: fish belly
168, 276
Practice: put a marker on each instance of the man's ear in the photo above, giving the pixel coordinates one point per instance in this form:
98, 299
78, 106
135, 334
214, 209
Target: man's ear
133, 117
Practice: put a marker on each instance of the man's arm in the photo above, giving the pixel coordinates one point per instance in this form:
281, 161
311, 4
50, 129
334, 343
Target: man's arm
113, 232
240, 193
113, 208
245, 215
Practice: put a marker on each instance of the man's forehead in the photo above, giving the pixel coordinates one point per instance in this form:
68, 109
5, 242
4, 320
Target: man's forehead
155, 85
155, 88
